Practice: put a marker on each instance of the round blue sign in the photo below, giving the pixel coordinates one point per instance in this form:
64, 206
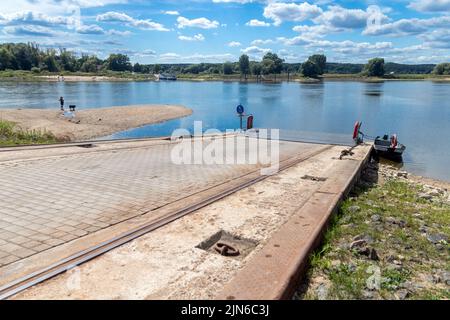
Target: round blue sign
240, 109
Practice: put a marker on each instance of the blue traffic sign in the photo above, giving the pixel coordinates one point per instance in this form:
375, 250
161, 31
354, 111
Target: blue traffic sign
240, 109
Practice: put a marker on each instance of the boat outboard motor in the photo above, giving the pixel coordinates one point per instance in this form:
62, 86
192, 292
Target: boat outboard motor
394, 141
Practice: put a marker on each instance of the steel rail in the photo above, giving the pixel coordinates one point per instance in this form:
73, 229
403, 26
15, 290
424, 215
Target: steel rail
101, 141
83, 256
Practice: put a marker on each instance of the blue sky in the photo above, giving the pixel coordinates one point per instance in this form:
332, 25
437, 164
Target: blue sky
153, 31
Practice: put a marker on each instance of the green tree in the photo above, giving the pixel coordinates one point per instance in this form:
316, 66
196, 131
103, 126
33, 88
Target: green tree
23, 59
442, 68
156, 69
137, 68
289, 69
146, 68
90, 64
50, 63
310, 69
244, 65
321, 61
119, 62
267, 66
374, 68
6, 59
276, 65
67, 60
256, 69
227, 68
214, 70
193, 69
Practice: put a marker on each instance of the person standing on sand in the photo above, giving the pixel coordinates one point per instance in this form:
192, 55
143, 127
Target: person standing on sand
61, 101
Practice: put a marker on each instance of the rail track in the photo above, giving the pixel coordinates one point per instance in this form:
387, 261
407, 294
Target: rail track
23, 283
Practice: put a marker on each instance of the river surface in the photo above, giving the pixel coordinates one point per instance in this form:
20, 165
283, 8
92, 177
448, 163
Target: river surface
418, 111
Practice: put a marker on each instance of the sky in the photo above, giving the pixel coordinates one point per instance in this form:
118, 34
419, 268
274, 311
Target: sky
154, 31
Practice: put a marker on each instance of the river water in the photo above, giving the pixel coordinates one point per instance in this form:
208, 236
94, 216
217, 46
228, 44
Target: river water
418, 111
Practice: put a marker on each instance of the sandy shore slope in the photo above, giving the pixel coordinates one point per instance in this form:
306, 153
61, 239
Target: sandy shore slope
92, 123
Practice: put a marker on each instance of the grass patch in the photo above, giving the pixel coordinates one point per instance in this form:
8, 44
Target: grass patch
11, 135
397, 222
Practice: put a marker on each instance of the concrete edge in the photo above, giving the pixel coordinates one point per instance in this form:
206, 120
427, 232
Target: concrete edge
275, 272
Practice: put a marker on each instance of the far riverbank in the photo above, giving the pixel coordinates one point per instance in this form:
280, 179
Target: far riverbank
128, 76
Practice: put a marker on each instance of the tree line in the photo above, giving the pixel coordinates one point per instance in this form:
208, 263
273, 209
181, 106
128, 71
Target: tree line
29, 57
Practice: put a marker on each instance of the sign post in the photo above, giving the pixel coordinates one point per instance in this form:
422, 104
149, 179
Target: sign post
241, 114
240, 110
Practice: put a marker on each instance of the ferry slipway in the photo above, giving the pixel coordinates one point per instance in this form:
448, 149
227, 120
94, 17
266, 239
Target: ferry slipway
120, 220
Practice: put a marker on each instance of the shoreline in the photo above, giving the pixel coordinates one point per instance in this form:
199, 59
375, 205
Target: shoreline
92, 123
24, 77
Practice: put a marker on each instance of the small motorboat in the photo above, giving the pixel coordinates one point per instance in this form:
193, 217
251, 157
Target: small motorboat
386, 146
389, 146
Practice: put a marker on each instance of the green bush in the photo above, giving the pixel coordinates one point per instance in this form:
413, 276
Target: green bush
11, 135
442, 69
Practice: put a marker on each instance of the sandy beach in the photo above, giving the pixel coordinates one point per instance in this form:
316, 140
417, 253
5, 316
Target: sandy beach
92, 123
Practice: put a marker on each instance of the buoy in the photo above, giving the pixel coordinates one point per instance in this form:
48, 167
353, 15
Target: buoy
250, 122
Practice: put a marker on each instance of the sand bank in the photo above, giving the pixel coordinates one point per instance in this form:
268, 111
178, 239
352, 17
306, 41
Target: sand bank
92, 123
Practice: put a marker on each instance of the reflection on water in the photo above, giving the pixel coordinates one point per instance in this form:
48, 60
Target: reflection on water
395, 164
418, 111
374, 89
375, 93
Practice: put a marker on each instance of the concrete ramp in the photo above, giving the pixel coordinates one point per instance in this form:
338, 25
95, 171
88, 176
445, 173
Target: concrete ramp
65, 205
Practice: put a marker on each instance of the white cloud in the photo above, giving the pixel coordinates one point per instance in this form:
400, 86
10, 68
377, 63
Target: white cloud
171, 13
114, 32
291, 57
147, 24
315, 31
236, 1
260, 42
351, 47
90, 29
255, 53
408, 26
347, 46
146, 53
342, 18
279, 12
31, 31
34, 18
295, 41
169, 55
437, 39
430, 5
234, 44
113, 16
257, 23
202, 23
53, 7
86, 3
196, 58
197, 37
